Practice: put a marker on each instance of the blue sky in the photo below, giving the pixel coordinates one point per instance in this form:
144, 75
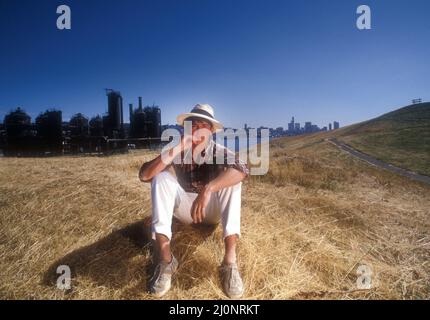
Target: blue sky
256, 62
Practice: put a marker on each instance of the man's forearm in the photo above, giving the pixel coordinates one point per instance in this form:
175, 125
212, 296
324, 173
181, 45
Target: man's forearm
150, 169
228, 178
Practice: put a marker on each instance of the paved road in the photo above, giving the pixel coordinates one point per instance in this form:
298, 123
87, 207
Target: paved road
379, 163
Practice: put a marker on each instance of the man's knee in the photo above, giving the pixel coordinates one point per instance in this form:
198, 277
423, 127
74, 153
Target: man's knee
162, 177
237, 186
163, 195
234, 190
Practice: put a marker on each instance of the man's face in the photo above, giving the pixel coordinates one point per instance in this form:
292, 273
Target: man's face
202, 130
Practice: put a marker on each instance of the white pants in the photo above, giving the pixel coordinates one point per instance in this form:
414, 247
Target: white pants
169, 198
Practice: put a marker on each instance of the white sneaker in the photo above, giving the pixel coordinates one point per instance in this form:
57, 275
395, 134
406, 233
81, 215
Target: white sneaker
231, 281
161, 280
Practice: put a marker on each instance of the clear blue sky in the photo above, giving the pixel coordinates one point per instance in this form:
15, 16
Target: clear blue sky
256, 62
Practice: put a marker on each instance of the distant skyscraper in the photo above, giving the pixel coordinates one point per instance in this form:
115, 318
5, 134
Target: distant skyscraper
329, 126
308, 127
297, 127
335, 125
314, 128
291, 126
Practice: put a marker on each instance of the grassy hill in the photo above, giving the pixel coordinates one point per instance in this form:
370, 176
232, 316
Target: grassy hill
401, 137
307, 226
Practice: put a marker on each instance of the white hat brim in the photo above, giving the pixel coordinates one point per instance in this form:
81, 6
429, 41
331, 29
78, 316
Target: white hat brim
181, 118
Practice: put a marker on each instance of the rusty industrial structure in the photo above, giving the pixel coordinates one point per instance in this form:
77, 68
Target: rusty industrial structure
106, 134
144, 122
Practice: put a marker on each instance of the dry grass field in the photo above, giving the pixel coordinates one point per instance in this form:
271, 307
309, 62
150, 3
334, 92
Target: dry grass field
307, 226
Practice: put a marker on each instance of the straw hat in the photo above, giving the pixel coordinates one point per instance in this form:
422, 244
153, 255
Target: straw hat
204, 111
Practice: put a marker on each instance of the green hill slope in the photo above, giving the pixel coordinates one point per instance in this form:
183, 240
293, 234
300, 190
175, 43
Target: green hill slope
401, 137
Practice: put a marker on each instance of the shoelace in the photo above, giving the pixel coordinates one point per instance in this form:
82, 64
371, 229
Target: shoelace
159, 269
157, 272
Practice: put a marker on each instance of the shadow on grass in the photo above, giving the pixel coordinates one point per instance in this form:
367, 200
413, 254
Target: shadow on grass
124, 256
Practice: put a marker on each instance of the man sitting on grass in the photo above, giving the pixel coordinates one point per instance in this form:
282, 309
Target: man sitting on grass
196, 192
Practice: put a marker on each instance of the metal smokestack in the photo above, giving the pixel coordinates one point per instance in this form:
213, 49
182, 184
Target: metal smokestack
130, 106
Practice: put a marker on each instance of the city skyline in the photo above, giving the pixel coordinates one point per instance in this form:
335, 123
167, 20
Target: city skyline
50, 134
255, 62
296, 128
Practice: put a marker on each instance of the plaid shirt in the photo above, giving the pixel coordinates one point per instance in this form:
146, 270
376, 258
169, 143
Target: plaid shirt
217, 158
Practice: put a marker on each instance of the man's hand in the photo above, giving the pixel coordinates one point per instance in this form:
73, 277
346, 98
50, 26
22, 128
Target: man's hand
199, 205
229, 177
